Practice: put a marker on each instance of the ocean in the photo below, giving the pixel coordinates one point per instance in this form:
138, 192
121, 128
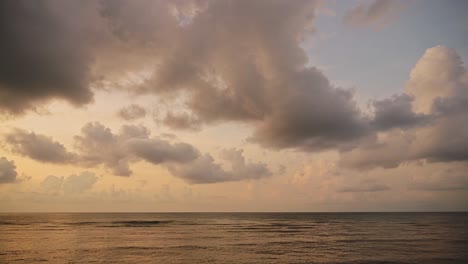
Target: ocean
234, 238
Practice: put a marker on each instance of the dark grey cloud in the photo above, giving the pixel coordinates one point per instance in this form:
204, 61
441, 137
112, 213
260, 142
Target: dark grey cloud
235, 61
451, 106
7, 171
375, 13
37, 147
396, 112
313, 119
158, 151
132, 112
225, 60
62, 49
46, 53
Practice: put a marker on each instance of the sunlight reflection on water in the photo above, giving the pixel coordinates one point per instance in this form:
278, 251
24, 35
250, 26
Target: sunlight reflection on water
235, 238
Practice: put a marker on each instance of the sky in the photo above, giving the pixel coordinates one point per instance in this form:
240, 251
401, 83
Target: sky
237, 106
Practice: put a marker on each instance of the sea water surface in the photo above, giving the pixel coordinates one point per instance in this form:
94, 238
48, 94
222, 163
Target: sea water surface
234, 238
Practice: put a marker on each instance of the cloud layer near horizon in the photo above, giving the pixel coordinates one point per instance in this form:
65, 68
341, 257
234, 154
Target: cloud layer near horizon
98, 145
73, 184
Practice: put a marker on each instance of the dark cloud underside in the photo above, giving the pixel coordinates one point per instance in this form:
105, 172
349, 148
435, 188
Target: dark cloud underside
44, 55
7, 171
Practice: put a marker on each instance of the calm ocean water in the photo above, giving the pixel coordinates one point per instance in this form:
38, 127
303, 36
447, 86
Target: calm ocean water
235, 238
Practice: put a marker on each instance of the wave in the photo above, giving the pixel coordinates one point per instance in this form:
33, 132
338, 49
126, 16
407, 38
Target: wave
135, 248
130, 223
84, 223
140, 223
401, 240
11, 223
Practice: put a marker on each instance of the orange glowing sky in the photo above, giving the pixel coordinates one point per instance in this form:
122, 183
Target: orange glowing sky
233, 105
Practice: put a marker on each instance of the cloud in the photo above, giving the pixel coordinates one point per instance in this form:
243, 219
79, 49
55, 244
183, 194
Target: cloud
132, 112
310, 122
99, 145
59, 64
7, 171
201, 170
438, 78
252, 69
37, 147
205, 170
396, 112
79, 183
385, 151
322, 179
375, 13
452, 184
438, 87
181, 121
78, 47
441, 178
72, 184
158, 151
242, 167
366, 186
221, 61
52, 184
225, 60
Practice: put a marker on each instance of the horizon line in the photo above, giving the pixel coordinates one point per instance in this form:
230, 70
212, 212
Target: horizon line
223, 212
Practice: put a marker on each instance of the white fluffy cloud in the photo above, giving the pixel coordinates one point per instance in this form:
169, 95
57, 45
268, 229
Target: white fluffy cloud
439, 90
438, 76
